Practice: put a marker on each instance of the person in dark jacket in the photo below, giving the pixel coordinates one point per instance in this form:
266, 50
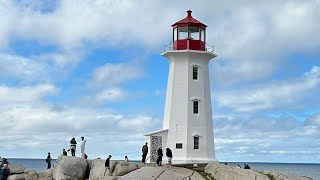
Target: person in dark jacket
4, 172
169, 155
144, 152
48, 160
246, 166
73, 145
107, 164
160, 154
64, 152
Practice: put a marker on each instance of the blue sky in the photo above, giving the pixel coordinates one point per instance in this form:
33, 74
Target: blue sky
93, 67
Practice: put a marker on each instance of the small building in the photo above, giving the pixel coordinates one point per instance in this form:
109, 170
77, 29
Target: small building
187, 124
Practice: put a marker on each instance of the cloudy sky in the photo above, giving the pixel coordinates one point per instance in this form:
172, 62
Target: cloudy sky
93, 67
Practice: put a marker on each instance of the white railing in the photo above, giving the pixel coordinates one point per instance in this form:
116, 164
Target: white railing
169, 47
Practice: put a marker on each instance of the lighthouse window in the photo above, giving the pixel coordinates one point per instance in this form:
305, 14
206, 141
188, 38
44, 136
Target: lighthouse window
178, 145
183, 32
195, 73
194, 33
196, 143
175, 34
195, 107
202, 34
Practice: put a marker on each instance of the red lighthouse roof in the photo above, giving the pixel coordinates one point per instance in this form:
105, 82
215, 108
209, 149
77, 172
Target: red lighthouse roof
189, 21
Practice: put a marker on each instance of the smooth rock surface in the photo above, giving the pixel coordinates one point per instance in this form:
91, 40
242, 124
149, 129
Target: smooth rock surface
70, 167
283, 176
29, 175
16, 169
46, 175
123, 168
163, 173
98, 169
225, 172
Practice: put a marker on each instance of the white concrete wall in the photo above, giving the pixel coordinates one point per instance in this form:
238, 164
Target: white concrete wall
179, 117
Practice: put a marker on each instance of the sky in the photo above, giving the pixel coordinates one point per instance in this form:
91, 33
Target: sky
93, 68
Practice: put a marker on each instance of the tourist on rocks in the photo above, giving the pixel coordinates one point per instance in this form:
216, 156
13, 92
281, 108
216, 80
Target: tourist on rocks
144, 152
4, 172
107, 164
73, 146
5, 161
64, 152
83, 146
48, 160
246, 166
160, 154
169, 155
238, 166
126, 159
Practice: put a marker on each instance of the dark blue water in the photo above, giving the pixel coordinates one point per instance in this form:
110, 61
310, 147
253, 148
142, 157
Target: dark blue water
302, 169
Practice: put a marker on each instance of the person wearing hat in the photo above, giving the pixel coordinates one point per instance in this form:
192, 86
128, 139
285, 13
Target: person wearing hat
48, 160
107, 164
83, 146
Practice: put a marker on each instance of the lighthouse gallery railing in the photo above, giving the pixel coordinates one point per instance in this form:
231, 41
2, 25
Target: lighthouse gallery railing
169, 47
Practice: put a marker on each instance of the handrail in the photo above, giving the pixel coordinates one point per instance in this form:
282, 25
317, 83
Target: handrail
169, 47
209, 48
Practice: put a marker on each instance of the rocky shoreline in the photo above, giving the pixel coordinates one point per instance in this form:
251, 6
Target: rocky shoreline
74, 168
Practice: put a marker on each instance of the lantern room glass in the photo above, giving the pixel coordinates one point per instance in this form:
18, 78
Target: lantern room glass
175, 34
194, 33
202, 34
183, 33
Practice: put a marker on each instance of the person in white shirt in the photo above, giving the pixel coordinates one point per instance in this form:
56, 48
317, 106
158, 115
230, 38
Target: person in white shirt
83, 146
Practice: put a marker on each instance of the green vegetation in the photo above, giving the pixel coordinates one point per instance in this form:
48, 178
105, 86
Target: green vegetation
270, 176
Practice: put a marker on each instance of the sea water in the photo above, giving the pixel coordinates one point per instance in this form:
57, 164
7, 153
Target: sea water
301, 169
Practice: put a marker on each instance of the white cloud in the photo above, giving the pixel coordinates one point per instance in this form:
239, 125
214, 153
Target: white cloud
26, 94
110, 74
110, 95
270, 95
21, 68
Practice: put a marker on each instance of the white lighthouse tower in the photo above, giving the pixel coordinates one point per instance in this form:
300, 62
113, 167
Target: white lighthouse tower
187, 124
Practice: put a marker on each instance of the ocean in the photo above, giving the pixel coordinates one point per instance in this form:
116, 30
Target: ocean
302, 169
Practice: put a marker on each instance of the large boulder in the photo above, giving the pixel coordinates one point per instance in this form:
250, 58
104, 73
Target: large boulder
223, 172
163, 173
283, 176
123, 168
98, 169
16, 169
28, 175
46, 175
70, 167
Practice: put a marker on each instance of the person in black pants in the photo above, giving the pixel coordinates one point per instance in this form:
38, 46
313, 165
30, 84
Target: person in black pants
160, 154
107, 165
144, 152
48, 160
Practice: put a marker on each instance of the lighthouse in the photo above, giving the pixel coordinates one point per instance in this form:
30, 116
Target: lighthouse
187, 123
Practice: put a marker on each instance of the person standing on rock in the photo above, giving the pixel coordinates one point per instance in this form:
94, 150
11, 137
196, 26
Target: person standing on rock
144, 152
73, 146
160, 154
169, 155
64, 152
126, 159
48, 160
107, 164
83, 146
4, 172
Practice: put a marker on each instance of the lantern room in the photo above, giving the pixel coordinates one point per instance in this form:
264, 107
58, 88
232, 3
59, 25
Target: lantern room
189, 33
